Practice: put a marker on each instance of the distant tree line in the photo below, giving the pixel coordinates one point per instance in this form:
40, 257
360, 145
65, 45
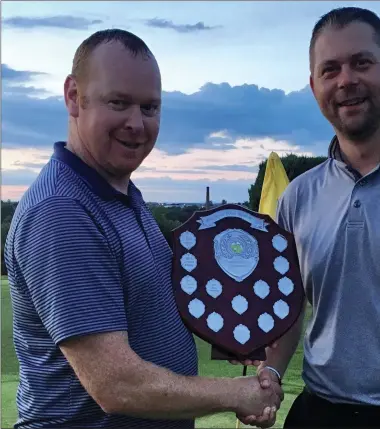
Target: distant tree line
7, 210
169, 218
294, 166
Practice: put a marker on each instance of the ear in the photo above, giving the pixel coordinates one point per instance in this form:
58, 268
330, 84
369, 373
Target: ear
71, 96
311, 82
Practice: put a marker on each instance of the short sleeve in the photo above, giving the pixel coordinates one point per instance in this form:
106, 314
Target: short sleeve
69, 269
283, 215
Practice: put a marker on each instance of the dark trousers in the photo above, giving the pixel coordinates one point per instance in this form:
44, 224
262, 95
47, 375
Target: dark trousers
311, 411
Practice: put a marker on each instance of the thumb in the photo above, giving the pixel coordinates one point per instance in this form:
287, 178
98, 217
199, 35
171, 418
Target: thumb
264, 377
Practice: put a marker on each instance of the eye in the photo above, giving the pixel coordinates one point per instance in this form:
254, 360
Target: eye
329, 69
362, 63
118, 104
150, 109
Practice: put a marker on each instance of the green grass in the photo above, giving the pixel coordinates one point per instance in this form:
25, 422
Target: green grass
9, 363
292, 384
9, 374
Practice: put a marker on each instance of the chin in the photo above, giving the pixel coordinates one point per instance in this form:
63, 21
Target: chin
356, 133
127, 169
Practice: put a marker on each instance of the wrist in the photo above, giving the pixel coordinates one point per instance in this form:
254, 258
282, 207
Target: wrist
231, 395
272, 370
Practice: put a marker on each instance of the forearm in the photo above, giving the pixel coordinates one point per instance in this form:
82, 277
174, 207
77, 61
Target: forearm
280, 356
159, 393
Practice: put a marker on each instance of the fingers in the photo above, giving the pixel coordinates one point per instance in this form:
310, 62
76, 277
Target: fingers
265, 416
246, 362
265, 378
249, 420
266, 420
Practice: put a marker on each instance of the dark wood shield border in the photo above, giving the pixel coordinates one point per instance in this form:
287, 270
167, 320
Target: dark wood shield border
223, 341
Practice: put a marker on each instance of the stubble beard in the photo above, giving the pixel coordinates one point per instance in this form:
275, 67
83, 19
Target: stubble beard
362, 130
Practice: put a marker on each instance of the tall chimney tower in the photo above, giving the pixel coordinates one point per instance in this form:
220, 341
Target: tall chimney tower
207, 198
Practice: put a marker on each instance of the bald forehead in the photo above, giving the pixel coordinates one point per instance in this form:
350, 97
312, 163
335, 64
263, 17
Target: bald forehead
115, 54
112, 65
114, 48
114, 71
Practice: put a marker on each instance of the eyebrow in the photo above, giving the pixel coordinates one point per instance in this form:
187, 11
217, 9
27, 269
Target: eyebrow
355, 56
363, 54
128, 98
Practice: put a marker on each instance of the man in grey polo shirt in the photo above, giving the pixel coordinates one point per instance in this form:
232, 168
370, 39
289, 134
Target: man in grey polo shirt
334, 212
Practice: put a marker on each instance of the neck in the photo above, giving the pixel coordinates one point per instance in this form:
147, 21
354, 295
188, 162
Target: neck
76, 146
364, 156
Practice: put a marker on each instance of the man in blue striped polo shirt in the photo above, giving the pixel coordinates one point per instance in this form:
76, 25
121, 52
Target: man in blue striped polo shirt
96, 329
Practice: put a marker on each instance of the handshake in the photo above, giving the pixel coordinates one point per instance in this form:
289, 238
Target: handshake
259, 398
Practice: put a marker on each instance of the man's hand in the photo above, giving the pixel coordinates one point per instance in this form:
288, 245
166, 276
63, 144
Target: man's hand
253, 399
268, 381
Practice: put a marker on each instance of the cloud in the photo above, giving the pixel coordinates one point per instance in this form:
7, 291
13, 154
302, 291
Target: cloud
21, 91
180, 28
182, 176
240, 162
213, 118
239, 112
30, 165
68, 22
14, 83
28, 159
32, 122
9, 74
22, 177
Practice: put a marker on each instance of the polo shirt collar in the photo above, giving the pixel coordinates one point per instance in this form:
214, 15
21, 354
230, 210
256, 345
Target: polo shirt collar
335, 153
93, 179
334, 150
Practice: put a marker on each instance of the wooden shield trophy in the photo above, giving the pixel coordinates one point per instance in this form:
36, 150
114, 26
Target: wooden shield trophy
236, 280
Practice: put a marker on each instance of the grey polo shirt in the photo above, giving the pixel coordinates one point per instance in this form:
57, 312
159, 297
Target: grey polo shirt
334, 214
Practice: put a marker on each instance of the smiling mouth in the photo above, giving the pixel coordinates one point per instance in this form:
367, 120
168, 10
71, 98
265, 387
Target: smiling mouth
128, 145
352, 102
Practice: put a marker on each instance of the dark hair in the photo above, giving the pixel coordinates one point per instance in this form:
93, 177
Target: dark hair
340, 18
130, 41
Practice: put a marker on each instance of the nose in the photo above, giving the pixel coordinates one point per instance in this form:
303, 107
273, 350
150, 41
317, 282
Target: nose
347, 77
134, 121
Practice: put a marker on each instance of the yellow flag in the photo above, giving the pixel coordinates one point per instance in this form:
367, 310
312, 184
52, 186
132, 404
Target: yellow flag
275, 182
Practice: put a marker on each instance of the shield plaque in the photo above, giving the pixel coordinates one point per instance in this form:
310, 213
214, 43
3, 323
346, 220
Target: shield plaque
236, 280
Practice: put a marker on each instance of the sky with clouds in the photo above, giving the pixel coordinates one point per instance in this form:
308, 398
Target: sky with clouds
235, 80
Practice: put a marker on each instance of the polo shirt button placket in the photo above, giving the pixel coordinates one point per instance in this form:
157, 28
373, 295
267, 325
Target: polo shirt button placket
357, 204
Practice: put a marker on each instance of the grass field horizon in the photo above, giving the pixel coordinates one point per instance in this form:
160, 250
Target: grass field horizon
292, 385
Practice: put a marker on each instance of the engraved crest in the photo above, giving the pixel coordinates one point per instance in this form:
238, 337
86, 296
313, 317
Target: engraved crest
236, 252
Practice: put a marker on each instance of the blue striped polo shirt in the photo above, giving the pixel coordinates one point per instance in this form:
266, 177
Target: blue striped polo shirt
83, 259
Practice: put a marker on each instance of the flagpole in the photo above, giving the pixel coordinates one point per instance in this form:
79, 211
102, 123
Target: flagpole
274, 184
